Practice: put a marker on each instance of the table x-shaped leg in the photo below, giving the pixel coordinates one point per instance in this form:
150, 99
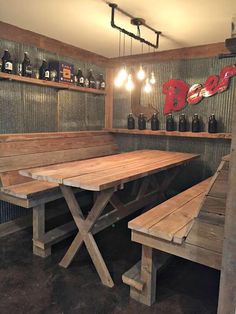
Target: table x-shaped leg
84, 235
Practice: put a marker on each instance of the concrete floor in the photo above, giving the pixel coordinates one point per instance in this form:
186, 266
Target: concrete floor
29, 284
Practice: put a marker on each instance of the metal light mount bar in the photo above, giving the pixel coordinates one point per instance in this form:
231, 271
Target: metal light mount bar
134, 21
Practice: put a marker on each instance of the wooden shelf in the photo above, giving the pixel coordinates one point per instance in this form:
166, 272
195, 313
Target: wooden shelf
29, 80
225, 136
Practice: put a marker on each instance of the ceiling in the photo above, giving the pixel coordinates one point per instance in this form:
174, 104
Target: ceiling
86, 23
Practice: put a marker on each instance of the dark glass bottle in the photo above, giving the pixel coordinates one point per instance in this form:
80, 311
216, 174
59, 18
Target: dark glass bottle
102, 82
91, 79
182, 123
212, 124
75, 79
81, 79
195, 123
44, 72
141, 122
170, 123
7, 64
130, 122
154, 122
26, 66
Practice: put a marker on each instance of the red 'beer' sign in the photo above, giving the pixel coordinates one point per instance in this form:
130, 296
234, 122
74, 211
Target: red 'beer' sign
178, 94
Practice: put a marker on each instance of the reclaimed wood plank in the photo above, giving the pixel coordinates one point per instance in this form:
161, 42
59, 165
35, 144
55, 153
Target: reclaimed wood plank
181, 235
224, 136
207, 236
49, 135
16, 148
106, 179
47, 158
57, 173
166, 228
220, 187
188, 251
156, 214
214, 205
29, 189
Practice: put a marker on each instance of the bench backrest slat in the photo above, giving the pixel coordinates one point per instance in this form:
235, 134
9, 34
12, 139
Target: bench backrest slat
20, 151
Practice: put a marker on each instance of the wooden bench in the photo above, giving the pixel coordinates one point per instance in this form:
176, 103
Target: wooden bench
189, 225
20, 151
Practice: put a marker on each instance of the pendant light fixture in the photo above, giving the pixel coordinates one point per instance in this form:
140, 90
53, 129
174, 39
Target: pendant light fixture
152, 79
123, 77
129, 85
141, 74
147, 87
122, 74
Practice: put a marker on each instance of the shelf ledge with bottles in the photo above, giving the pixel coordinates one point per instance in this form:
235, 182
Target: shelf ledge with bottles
224, 136
56, 85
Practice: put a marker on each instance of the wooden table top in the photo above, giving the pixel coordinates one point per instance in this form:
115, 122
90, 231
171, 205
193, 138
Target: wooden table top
100, 173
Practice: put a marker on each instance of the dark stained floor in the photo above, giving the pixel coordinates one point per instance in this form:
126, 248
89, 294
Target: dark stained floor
30, 284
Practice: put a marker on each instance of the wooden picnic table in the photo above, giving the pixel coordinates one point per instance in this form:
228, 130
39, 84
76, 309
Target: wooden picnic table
106, 175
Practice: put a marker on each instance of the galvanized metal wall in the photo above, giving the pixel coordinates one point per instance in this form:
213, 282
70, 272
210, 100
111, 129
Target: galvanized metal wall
30, 108
191, 71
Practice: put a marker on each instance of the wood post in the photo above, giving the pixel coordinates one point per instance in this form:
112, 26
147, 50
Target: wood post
148, 276
109, 99
39, 230
227, 295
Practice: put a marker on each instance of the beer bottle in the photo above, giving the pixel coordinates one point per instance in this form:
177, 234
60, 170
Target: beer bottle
81, 80
170, 122
141, 122
195, 123
7, 64
102, 82
154, 122
91, 79
26, 66
182, 123
131, 122
75, 79
212, 124
44, 72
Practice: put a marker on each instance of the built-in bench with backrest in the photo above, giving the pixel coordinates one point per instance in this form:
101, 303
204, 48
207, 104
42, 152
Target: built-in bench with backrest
20, 151
189, 225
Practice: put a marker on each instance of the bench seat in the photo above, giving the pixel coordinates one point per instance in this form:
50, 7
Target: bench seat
30, 150
189, 225
30, 189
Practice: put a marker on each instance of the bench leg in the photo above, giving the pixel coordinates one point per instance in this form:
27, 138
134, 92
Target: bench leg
148, 277
39, 230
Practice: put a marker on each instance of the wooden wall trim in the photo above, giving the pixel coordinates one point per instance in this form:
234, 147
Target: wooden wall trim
109, 99
227, 295
11, 32
204, 51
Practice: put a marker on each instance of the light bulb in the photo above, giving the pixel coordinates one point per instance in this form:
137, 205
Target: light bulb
147, 87
141, 73
118, 82
152, 79
123, 74
129, 84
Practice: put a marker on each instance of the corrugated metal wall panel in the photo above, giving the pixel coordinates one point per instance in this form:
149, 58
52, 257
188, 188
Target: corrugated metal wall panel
30, 108
191, 71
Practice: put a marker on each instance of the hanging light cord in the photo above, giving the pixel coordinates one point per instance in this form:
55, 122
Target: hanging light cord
119, 44
124, 45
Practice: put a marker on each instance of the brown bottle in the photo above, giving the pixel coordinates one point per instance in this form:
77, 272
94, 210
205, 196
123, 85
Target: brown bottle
26, 66
212, 124
91, 79
7, 64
